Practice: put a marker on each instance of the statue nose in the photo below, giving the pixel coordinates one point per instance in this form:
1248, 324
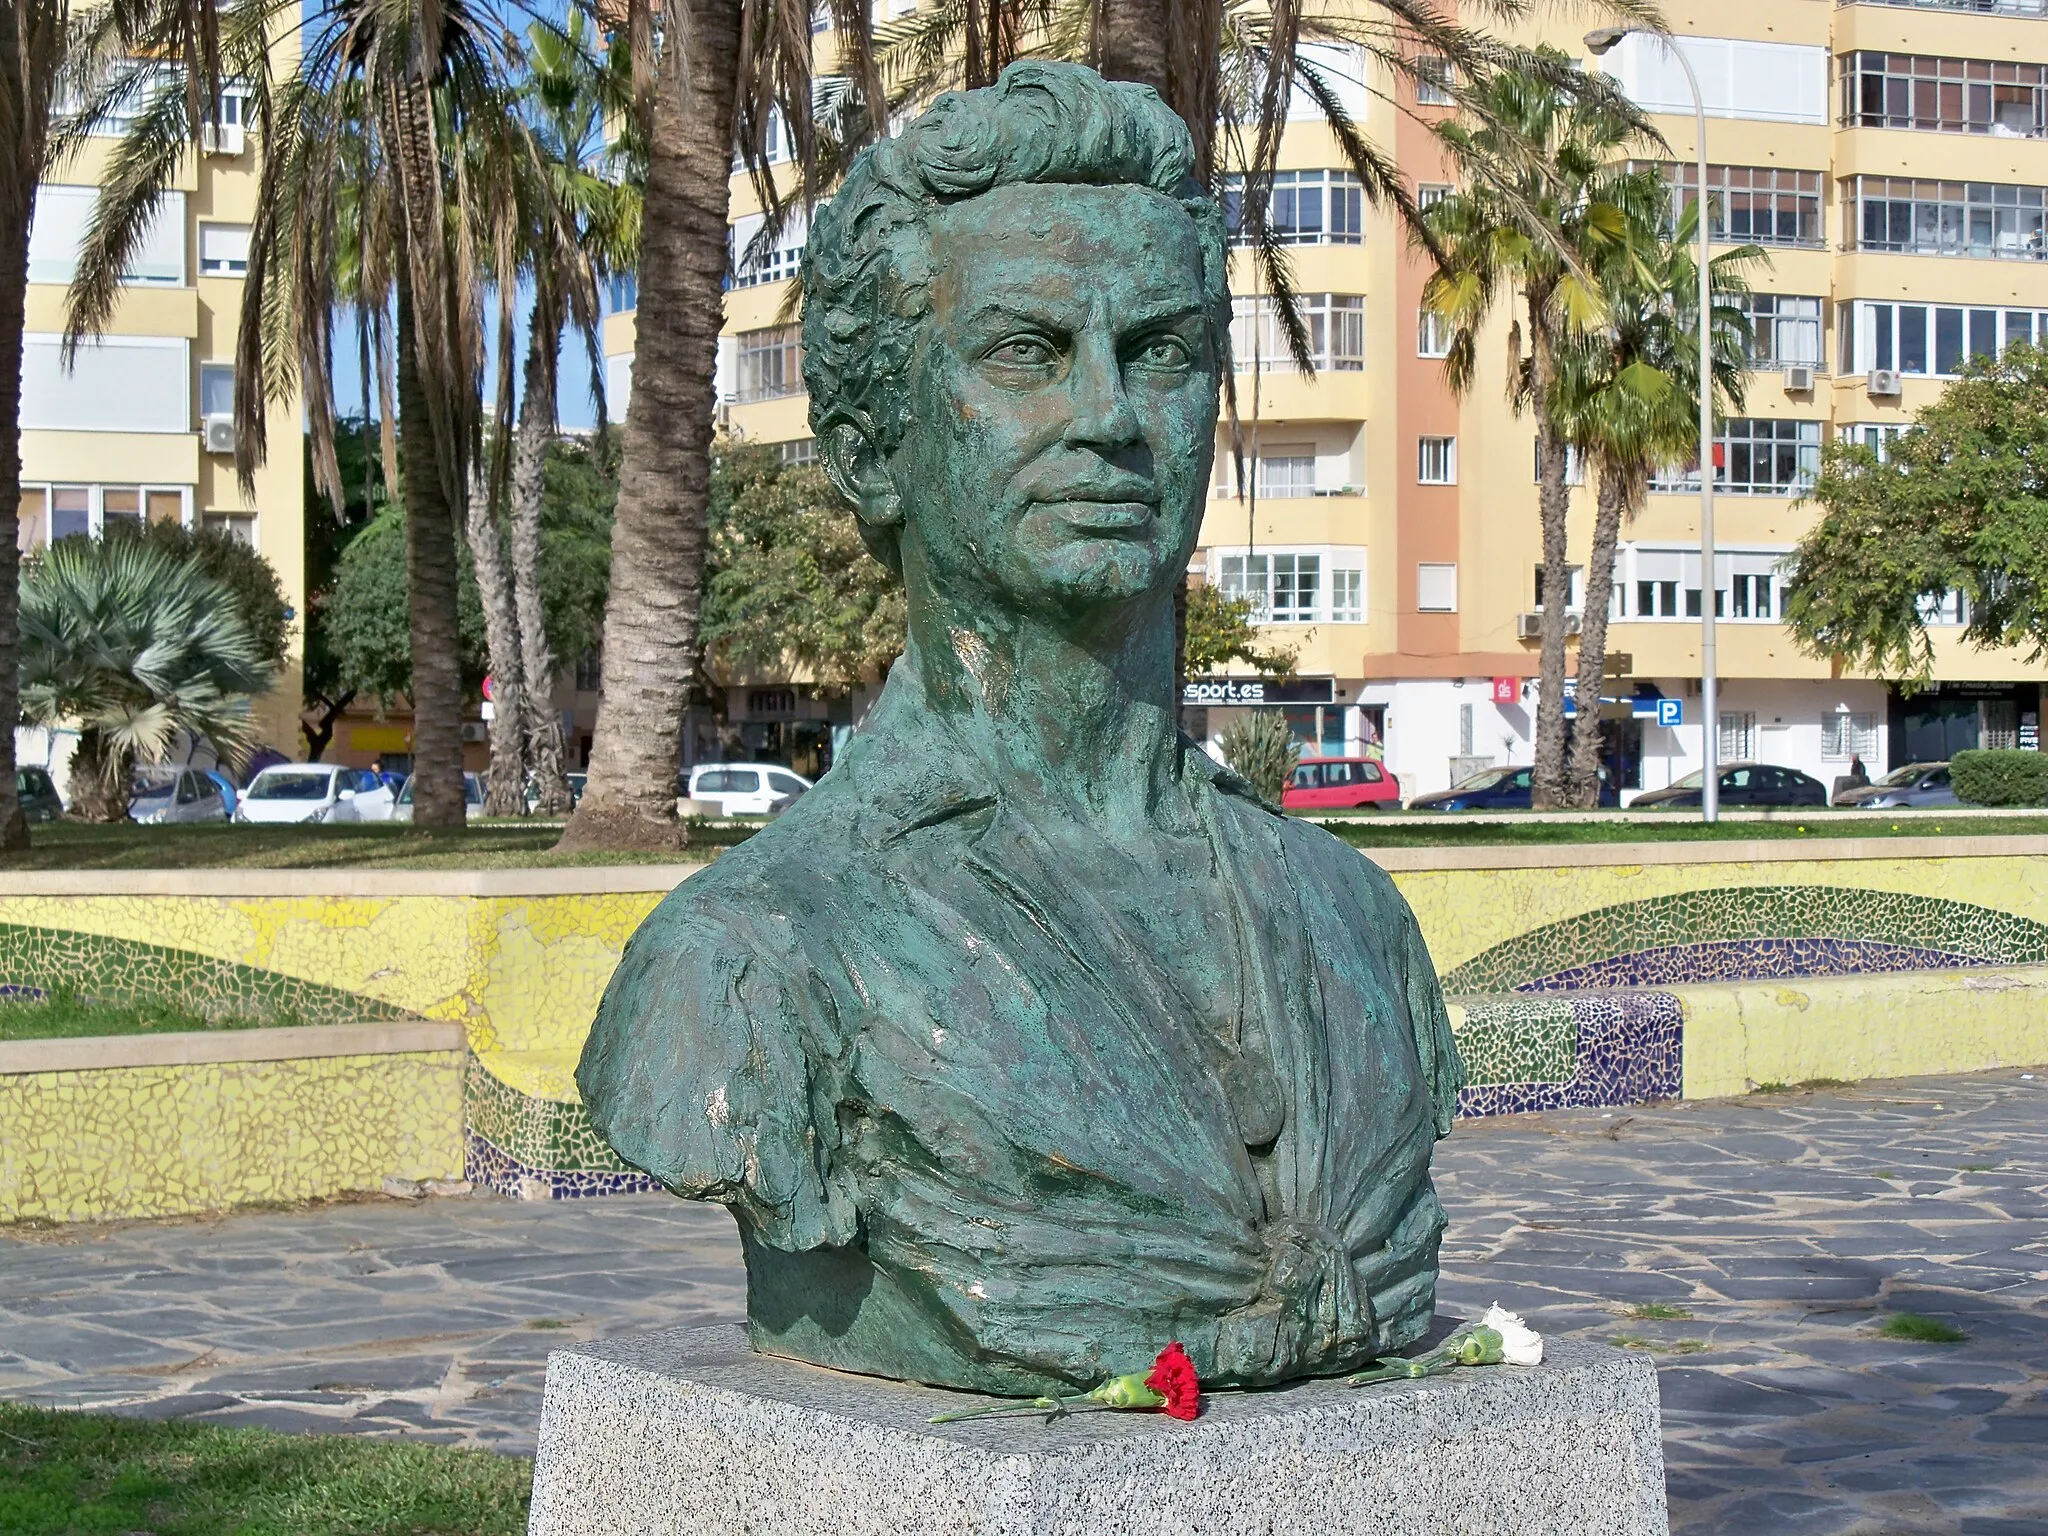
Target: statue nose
1103, 417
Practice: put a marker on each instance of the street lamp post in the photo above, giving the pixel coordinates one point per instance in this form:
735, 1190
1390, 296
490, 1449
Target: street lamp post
1599, 41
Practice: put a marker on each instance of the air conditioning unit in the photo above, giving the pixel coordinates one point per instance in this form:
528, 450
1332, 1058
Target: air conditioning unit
1799, 379
228, 139
475, 730
220, 434
1574, 622
1884, 382
1528, 626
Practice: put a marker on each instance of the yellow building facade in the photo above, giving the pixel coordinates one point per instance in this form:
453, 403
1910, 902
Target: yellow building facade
140, 428
1891, 159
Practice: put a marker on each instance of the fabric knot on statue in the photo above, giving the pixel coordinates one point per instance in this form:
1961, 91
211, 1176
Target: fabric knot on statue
1031, 1040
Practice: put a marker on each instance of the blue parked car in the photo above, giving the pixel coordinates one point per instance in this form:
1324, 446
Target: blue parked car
1497, 789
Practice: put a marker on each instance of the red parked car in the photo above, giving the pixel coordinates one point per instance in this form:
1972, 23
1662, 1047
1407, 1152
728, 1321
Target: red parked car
1341, 783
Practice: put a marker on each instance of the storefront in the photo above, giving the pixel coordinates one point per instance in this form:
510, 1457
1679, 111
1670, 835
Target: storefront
1932, 723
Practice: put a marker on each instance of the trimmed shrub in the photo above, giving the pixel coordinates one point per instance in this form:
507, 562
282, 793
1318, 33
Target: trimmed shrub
2001, 777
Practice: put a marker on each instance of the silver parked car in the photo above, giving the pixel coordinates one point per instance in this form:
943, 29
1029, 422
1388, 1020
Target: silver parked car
167, 795
1916, 784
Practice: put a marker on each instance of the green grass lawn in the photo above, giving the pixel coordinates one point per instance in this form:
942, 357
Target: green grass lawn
88, 1474
523, 845
64, 1016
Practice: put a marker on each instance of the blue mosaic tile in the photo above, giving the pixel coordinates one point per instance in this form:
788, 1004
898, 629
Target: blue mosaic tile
491, 1168
1629, 1049
1747, 960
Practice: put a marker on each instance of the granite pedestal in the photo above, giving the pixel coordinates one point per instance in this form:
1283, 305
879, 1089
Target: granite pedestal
689, 1431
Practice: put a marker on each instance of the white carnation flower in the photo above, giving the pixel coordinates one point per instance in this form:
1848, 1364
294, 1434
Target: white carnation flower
1520, 1344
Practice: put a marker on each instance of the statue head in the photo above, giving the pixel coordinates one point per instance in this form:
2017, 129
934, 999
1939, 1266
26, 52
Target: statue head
1015, 315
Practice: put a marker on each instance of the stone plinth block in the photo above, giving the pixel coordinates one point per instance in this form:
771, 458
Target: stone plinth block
689, 1431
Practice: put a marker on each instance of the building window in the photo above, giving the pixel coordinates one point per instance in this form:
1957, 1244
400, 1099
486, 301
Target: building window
1846, 733
771, 363
1930, 339
1436, 461
1303, 208
1429, 193
1432, 334
1308, 585
1951, 609
239, 526
216, 391
115, 384
801, 450
1982, 7
1937, 95
1785, 329
1287, 473
1877, 436
1665, 583
1756, 456
753, 263
223, 250
52, 512
1738, 736
1335, 323
1738, 77
623, 292
1752, 203
62, 216
1433, 78
590, 672
1436, 588
1945, 218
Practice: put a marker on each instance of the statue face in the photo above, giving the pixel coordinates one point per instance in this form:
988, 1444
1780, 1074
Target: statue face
1064, 398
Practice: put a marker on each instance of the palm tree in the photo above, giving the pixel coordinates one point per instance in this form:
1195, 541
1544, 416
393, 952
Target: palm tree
1628, 403
724, 72
133, 644
372, 125
585, 226
32, 45
1547, 208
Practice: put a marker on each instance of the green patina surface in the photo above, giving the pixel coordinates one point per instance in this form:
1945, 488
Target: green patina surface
91, 966
1030, 1040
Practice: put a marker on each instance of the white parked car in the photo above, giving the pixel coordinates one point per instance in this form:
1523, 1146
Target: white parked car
322, 792
163, 796
473, 791
747, 789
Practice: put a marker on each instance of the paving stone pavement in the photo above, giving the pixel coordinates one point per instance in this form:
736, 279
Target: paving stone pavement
1783, 1228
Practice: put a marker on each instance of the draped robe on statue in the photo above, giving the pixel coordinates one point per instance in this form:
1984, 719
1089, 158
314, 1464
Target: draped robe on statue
973, 1132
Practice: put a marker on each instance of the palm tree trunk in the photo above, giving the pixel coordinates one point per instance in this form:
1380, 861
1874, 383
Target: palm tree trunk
100, 778
14, 221
1129, 41
1553, 501
1614, 500
542, 725
658, 537
30, 40
430, 569
506, 795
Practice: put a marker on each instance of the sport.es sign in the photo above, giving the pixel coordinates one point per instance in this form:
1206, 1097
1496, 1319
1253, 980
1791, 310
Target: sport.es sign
1250, 692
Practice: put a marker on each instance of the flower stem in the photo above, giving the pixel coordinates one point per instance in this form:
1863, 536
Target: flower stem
1052, 1407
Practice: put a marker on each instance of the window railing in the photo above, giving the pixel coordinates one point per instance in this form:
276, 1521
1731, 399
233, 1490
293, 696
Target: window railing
1983, 7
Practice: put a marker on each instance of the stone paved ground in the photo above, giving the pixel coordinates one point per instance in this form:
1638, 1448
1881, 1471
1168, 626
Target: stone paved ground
1784, 1226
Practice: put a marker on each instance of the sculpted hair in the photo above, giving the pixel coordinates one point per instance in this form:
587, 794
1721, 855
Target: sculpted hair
867, 266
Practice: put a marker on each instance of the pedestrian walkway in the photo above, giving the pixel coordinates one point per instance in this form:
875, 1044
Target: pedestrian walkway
1765, 1238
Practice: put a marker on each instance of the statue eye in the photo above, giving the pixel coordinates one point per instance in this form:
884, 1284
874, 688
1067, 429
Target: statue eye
1165, 352
1024, 352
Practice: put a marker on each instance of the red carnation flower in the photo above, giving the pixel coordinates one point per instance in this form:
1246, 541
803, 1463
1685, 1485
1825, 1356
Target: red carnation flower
1173, 1378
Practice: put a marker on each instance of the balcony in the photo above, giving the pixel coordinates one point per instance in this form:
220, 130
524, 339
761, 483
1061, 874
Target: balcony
1981, 7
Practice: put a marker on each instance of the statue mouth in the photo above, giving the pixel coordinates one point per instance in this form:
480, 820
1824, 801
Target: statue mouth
1109, 517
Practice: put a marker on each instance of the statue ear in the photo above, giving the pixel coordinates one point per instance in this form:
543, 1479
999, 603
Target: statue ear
857, 471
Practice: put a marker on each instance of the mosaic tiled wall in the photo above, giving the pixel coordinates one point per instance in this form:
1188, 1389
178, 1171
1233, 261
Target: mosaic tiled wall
166, 1141
1574, 980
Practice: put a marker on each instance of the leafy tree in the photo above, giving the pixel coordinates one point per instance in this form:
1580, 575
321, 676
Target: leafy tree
133, 643
1958, 503
249, 579
1220, 631
359, 451
788, 583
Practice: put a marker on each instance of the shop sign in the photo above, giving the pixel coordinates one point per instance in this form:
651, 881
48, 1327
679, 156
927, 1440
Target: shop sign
1240, 692
1507, 690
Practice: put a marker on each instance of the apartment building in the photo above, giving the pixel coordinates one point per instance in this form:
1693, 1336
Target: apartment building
139, 429
1892, 158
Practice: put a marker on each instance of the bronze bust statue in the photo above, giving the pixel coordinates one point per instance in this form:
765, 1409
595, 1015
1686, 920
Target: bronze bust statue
1031, 1040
